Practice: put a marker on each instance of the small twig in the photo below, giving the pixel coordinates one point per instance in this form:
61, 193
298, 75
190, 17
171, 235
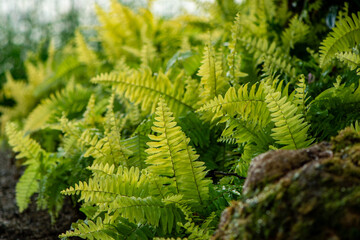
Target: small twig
229, 174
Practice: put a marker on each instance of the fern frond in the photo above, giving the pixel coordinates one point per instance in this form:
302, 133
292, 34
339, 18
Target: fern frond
171, 156
349, 58
27, 147
112, 133
150, 210
72, 100
107, 185
33, 153
276, 65
213, 81
27, 185
296, 32
290, 128
334, 109
344, 36
137, 145
90, 230
250, 151
300, 96
238, 130
355, 126
84, 53
202, 231
274, 59
144, 89
249, 104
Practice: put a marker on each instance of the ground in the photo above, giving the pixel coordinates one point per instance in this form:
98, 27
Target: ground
30, 224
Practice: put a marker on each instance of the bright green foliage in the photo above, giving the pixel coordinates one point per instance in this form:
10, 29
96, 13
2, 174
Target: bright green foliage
157, 142
247, 103
344, 36
142, 88
290, 129
173, 176
34, 154
213, 81
349, 58
171, 156
296, 32
300, 97
72, 100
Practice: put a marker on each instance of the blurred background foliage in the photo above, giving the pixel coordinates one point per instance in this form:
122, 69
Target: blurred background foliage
27, 26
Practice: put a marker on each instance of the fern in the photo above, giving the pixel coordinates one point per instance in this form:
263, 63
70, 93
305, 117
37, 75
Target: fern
109, 185
137, 145
334, 109
71, 100
90, 230
197, 232
85, 54
300, 97
296, 32
33, 153
345, 35
126, 193
213, 81
290, 128
142, 88
349, 58
171, 156
274, 59
247, 103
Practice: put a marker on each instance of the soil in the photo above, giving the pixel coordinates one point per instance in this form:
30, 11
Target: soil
30, 224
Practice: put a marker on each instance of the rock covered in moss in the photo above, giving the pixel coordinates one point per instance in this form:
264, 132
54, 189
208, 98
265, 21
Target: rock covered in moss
311, 193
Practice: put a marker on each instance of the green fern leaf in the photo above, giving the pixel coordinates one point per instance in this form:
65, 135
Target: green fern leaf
296, 32
349, 58
72, 100
27, 147
90, 230
141, 87
344, 36
290, 128
107, 185
212, 82
85, 54
27, 185
171, 156
300, 96
250, 104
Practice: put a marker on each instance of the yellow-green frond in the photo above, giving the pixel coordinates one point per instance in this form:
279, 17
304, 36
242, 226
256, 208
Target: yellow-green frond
211, 72
349, 58
170, 155
108, 184
344, 36
85, 54
249, 104
300, 96
27, 185
290, 129
27, 147
72, 100
90, 230
142, 88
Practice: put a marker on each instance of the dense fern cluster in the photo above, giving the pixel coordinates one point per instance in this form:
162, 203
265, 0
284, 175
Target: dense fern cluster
153, 132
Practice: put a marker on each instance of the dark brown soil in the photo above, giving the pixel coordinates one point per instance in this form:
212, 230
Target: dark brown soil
30, 224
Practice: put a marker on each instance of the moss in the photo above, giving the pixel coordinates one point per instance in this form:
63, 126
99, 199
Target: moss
316, 196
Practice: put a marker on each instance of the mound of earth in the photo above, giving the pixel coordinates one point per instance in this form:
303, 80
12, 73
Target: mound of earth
311, 193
